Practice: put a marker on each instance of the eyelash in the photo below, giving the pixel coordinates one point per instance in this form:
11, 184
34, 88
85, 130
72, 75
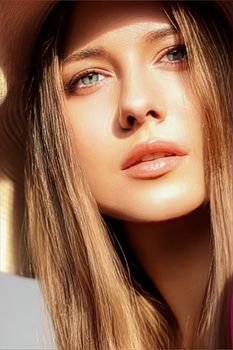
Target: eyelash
180, 47
72, 84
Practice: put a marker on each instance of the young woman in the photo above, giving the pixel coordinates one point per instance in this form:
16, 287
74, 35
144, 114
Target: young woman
128, 176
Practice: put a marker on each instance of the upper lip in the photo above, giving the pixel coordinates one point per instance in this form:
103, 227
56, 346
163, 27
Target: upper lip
152, 147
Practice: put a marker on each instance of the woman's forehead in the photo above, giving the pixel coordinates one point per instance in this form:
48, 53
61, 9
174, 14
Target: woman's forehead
92, 19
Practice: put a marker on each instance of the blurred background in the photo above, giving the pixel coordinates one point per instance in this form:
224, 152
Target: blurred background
24, 321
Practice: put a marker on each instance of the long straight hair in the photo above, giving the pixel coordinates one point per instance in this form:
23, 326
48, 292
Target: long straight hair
93, 296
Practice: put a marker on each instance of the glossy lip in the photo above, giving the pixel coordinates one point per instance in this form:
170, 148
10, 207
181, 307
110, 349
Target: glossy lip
152, 147
155, 168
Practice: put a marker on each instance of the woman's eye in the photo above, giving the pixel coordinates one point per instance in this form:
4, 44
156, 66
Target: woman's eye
84, 80
175, 55
89, 79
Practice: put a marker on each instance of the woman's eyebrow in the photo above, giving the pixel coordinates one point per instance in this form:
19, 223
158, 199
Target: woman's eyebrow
160, 33
86, 53
99, 51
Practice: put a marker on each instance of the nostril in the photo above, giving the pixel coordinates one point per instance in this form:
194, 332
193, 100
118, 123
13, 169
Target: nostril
153, 113
130, 120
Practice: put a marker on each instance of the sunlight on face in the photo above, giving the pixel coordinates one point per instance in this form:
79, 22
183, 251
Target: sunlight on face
126, 83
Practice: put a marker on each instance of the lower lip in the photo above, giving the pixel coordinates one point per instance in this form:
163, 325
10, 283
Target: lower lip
153, 168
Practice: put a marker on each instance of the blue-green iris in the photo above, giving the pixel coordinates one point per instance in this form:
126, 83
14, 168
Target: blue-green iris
90, 79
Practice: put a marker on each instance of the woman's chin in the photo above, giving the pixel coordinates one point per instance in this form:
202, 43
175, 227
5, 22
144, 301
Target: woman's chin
154, 212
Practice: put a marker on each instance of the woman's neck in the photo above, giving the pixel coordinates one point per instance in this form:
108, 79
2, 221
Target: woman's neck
176, 255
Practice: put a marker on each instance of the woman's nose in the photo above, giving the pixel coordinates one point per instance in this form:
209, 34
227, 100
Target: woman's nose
139, 101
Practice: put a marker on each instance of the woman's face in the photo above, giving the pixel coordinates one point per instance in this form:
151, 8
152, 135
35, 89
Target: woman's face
124, 89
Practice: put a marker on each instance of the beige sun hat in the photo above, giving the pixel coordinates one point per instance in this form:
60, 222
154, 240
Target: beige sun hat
20, 21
